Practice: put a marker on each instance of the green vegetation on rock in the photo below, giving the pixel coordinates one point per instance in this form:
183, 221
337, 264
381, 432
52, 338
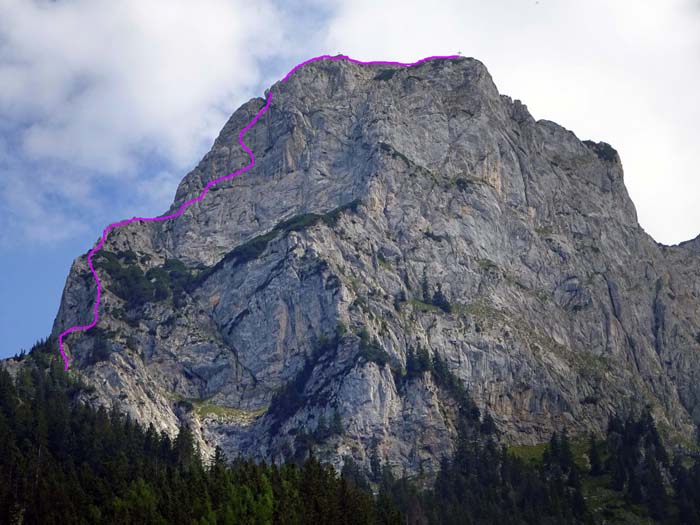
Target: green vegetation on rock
255, 247
205, 409
128, 281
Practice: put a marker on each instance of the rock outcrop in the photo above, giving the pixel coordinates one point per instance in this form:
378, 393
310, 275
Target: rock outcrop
392, 209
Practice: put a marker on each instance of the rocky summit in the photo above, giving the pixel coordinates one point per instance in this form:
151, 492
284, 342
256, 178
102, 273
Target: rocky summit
397, 219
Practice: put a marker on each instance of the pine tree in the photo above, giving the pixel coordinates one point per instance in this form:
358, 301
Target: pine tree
654, 489
322, 430
374, 461
566, 457
594, 456
336, 423
423, 361
411, 364
425, 288
488, 425
440, 300
184, 449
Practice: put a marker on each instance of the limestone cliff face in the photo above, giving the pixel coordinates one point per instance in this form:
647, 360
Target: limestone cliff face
292, 294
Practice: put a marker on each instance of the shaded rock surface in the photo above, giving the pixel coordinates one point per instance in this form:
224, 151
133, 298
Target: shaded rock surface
374, 186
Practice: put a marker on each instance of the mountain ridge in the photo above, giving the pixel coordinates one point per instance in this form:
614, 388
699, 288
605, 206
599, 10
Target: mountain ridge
557, 310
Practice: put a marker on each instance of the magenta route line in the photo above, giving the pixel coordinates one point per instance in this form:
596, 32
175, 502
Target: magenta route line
184, 205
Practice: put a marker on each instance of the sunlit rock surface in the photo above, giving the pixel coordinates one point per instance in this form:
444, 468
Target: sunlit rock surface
371, 184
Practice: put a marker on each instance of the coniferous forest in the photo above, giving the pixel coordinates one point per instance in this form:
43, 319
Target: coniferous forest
63, 462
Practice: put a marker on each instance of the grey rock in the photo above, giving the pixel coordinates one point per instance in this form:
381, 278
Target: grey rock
564, 310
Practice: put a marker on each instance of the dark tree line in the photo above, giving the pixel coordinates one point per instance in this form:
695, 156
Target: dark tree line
634, 461
64, 462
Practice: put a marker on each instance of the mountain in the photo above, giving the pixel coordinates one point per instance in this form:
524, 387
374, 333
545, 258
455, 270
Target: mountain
404, 231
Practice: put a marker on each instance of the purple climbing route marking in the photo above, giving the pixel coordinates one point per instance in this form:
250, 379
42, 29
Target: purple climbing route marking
184, 205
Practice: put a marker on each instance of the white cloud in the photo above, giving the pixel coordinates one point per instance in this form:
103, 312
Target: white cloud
102, 82
625, 72
34, 209
98, 92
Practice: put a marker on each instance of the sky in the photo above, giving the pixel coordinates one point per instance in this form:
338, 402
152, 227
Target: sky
105, 106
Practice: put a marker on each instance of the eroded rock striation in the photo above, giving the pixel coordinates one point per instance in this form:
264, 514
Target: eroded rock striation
391, 211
